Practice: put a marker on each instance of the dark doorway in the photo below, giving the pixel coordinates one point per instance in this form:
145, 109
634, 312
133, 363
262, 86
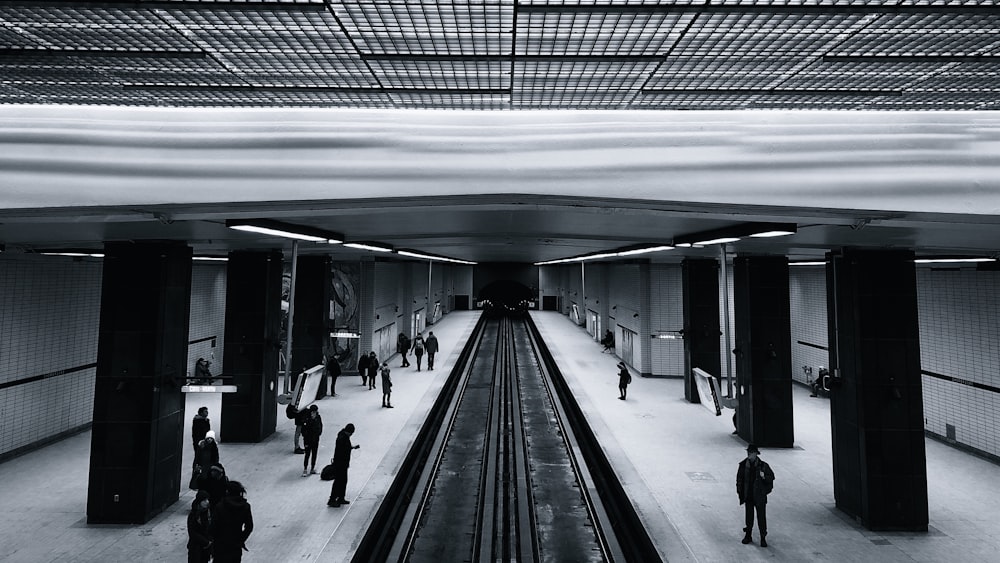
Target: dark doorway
461, 302
550, 302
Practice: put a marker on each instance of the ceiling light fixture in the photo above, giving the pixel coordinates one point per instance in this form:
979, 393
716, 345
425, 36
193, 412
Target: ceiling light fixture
819, 263
75, 254
624, 251
734, 233
210, 258
952, 260
373, 246
287, 230
414, 254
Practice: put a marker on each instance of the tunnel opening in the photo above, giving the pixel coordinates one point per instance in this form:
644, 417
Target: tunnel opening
506, 297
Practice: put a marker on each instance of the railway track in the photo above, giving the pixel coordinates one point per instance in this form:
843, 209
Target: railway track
505, 469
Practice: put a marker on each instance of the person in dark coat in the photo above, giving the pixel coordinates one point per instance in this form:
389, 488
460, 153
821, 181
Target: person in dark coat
199, 527
403, 347
754, 481
200, 425
232, 524
386, 386
431, 345
214, 482
202, 372
207, 453
624, 378
363, 368
418, 349
300, 418
312, 429
341, 461
372, 370
331, 370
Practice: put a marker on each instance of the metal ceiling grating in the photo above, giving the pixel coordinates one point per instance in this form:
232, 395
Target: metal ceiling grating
505, 54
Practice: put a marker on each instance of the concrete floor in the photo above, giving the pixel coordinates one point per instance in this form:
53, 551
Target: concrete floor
677, 461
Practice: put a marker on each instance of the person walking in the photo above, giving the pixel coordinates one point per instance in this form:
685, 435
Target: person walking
312, 429
431, 345
332, 370
199, 527
386, 386
200, 425
372, 370
418, 349
207, 453
214, 483
403, 347
363, 369
233, 524
624, 378
341, 461
754, 481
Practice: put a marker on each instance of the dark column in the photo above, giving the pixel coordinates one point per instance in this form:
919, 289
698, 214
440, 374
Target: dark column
366, 307
252, 337
763, 350
876, 404
645, 326
310, 324
701, 321
137, 439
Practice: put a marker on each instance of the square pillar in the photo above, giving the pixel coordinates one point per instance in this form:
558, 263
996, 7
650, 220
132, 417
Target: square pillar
252, 342
876, 401
137, 438
310, 321
763, 350
700, 279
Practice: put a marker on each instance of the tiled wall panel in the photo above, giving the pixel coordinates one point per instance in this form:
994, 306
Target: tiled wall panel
666, 316
49, 320
807, 300
208, 315
959, 315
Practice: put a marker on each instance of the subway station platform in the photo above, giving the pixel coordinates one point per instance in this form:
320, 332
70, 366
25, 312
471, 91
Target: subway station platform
676, 460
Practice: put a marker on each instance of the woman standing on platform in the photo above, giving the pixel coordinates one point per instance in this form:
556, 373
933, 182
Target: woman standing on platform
624, 378
199, 526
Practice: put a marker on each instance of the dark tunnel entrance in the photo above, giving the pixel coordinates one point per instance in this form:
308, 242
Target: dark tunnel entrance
506, 297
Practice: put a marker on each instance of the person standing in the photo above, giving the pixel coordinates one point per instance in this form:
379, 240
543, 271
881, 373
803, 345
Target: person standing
202, 372
624, 378
312, 429
431, 345
341, 461
199, 527
332, 370
403, 347
207, 454
300, 418
386, 386
233, 524
754, 481
372, 370
200, 425
418, 349
363, 368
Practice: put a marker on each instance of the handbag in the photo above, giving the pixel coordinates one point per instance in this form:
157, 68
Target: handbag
327, 473
195, 477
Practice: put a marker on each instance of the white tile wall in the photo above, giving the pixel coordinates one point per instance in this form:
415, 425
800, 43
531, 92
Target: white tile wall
666, 314
208, 314
959, 315
49, 320
807, 301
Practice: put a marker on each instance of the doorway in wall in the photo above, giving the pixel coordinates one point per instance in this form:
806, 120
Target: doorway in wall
461, 302
550, 302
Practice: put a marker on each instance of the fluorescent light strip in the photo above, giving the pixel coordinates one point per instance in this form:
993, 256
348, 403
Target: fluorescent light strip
373, 248
429, 257
279, 233
723, 240
768, 234
644, 250
210, 258
807, 263
75, 254
586, 257
951, 260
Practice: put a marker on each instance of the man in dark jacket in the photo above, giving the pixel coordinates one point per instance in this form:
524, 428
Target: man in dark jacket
232, 522
312, 429
754, 481
341, 461
200, 425
332, 370
431, 345
403, 347
199, 526
363, 368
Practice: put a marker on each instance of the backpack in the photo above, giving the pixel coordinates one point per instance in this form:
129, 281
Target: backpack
418, 344
291, 411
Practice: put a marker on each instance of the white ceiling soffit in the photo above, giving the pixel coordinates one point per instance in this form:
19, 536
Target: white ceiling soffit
63, 156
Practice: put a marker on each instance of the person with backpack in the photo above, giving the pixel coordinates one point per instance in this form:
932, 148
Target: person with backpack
403, 347
292, 413
624, 378
418, 349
